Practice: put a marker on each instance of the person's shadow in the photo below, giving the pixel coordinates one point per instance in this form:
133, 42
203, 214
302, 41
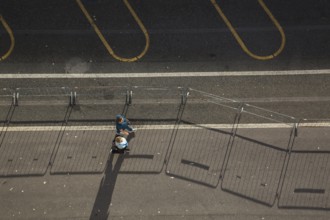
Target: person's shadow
106, 189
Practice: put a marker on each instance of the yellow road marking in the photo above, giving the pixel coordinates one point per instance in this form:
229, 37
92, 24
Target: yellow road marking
239, 39
11, 35
105, 42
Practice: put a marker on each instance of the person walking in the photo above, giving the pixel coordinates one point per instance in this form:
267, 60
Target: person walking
123, 131
122, 126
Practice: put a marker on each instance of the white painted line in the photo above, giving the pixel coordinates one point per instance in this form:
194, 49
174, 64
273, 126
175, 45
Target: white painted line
59, 128
161, 127
154, 75
284, 99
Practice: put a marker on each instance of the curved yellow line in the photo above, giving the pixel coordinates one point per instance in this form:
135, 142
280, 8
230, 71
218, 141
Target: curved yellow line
11, 36
239, 39
104, 41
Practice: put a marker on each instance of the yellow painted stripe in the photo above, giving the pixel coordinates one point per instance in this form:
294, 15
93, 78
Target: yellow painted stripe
239, 39
105, 42
11, 36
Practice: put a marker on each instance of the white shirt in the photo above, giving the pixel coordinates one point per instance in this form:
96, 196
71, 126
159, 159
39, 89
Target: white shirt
123, 144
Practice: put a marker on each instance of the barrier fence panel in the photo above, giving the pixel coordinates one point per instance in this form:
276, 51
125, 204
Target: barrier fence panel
112, 96
33, 131
87, 138
6, 96
202, 138
5, 109
43, 96
154, 113
258, 154
307, 178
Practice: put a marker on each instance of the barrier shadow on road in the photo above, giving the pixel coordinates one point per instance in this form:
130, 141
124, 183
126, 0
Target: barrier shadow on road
54, 126
307, 176
32, 132
89, 130
6, 107
202, 138
257, 155
154, 113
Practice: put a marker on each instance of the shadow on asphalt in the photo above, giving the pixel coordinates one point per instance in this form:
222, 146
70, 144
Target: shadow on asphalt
253, 164
104, 196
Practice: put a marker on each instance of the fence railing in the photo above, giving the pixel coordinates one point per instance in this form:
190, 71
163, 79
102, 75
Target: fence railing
249, 151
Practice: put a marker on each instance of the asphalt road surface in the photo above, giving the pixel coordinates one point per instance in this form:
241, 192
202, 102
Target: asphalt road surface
176, 36
252, 145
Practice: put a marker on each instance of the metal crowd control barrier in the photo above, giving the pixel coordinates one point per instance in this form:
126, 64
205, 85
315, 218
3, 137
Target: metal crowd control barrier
86, 139
307, 176
154, 112
6, 99
201, 141
258, 154
32, 132
6, 102
42, 96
